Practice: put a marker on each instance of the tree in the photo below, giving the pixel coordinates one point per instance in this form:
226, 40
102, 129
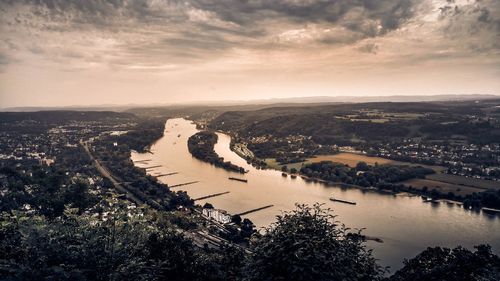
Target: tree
362, 166
308, 244
458, 264
236, 219
128, 245
284, 168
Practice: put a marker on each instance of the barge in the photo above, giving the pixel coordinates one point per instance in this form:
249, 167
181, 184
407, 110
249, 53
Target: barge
342, 201
238, 179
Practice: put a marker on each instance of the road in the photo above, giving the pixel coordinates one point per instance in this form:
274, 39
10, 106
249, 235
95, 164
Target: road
107, 174
199, 237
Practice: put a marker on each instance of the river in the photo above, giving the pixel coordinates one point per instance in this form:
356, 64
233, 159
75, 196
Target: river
405, 224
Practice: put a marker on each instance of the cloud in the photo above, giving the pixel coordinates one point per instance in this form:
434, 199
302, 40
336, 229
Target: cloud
474, 25
369, 18
3, 59
156, 34
370, 48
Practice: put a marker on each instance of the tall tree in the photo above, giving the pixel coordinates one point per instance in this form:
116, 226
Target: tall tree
308, 244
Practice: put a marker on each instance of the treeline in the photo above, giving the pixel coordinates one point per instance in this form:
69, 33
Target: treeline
363, 175
388, 178
323, 127
237, 120
478, 132
201, 146
64, 116
148, 131
41, 121
489, 198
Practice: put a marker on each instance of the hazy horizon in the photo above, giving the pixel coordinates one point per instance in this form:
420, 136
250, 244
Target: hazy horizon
266, 101
66, 53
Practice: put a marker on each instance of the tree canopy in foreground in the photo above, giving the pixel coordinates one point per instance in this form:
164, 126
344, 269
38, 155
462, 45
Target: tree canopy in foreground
142, 244
309, 244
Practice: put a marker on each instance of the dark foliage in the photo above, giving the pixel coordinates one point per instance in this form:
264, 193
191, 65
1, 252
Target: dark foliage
363, 175
46, 192
201, 146
124, 246
458, 264
308, 244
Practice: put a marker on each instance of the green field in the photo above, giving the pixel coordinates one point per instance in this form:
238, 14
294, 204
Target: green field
459, 180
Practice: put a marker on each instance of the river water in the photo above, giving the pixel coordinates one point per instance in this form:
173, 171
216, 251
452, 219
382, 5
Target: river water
405, 224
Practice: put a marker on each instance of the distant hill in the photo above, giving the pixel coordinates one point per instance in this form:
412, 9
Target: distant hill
358, 99
254, 104
351, 99
237, 119
57, 116
68, 108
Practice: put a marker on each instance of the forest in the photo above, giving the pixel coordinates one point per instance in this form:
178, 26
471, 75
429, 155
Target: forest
201, 146
363, 175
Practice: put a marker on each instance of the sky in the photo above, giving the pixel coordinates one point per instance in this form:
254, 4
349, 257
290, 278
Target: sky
89, 52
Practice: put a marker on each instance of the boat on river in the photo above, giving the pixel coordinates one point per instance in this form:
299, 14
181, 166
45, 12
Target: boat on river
238, 179
342, 201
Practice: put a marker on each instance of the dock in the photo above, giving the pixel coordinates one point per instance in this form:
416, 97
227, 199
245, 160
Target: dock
490, 210
143, 161
342, 201
238, 179
167, 174
211, 195
254, 210
151, 167
451, 202
182, 184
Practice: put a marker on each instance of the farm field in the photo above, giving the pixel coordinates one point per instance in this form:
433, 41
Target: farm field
271, 163
442, 187
459, 180
349, 159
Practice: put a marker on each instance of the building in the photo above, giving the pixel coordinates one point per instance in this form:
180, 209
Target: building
218, 215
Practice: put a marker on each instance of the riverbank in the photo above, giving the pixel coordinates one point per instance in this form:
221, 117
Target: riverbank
399, 192
201, 146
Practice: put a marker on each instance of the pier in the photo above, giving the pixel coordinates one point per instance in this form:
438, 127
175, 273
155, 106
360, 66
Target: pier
211, 195
167, 174
491, 210
182, 184
152, 167
143, 161
254, 210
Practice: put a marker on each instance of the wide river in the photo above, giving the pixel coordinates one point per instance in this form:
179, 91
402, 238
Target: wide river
405, 224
